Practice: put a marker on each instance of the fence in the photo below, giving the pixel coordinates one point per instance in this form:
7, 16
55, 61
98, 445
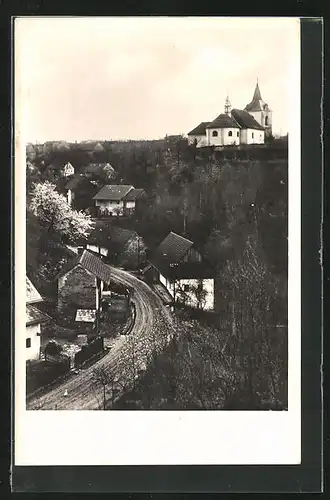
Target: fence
88, 351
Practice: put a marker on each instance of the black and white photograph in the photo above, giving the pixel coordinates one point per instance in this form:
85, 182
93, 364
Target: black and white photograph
154, 168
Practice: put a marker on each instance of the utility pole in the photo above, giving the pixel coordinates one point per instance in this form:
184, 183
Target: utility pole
138, 251
98, 306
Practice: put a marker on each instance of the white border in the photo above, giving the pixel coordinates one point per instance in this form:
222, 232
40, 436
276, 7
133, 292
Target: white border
157, 437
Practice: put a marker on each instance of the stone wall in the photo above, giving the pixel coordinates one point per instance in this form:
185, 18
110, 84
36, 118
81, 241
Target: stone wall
76, 290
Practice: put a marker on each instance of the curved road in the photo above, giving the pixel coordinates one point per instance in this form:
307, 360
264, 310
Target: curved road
152, 329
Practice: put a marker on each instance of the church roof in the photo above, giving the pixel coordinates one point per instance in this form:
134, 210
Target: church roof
257, 104
224, 121
246, 120
200, 129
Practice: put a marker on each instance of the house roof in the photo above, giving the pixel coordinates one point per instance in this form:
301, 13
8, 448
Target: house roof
246, 120
98, 147
133, 194
74, 181
168, 260
224, 121
257, 104
111, 235
113, 192
91, 263
32, 294
172, 249
92, 168
200, 129
33, 315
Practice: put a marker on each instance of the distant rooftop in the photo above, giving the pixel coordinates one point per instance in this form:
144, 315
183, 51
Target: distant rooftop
32, 294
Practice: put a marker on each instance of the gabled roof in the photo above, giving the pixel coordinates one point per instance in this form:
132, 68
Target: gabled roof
32, 294
33, 316
257, 104
200, 129
224, 121
91, 263
173, 248
92, 168
113, 192
74, 181
133, 194
246, 120
98, 147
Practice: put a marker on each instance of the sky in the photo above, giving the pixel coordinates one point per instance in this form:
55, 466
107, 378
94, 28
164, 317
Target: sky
109, 78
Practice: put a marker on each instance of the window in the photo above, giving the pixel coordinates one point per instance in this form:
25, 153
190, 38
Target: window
215, 133
266, 121
252, 135
28, 342
237, 134
117, 202
186, 288
230, 133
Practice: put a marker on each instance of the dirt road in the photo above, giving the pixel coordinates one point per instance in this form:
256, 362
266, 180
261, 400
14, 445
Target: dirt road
152, 328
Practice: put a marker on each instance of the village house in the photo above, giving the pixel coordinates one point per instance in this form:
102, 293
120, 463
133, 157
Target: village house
79, 192
34, 319
118, 200
81, 284
94, 169
98, 148
180, 268
67, 170
116, 246
235, 126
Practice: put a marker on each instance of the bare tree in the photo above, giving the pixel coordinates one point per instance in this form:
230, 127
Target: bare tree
109, 381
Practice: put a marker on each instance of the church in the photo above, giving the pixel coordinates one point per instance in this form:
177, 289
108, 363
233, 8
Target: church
236, 126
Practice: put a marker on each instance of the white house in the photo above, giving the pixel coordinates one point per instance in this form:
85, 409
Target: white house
235, 126
34, 320
118, 200
67, 170
180, 268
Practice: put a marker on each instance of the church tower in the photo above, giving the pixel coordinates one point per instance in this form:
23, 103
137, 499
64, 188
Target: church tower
260, 111
227, 106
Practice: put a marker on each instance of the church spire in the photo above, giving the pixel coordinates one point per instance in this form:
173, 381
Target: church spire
227, 106
257, 93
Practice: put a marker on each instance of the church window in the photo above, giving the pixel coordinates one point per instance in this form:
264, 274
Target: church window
214, 133
266, 120
230, 133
